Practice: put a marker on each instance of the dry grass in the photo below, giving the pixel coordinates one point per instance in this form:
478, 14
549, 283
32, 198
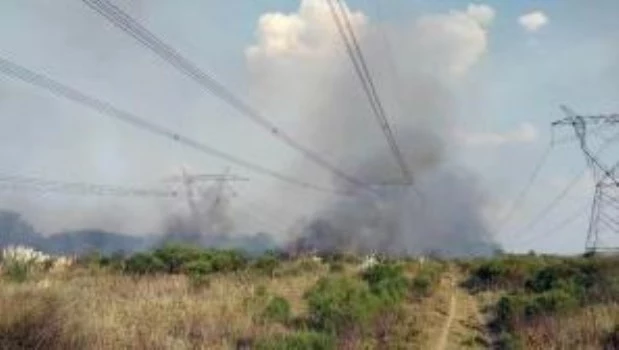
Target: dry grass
586, 328
93, 309
84, 308
109, 311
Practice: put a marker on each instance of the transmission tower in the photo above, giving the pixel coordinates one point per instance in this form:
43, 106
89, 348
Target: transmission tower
205, 202
604, 217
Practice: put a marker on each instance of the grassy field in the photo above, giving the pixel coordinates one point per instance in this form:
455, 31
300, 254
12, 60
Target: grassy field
188, 298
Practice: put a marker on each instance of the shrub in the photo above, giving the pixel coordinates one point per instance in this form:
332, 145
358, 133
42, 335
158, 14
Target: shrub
198, 267
144, 263
297, 341
338, 304
421, 286
555, 301
517, 307
386, 280
427, 279
336, 267
178, 258
174, 256
226, 260
17, 271
504, 272
267, 264
116, 261
551, 277
277, 310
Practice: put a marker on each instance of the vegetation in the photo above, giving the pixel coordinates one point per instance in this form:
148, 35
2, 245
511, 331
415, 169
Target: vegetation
179, 296
537, 295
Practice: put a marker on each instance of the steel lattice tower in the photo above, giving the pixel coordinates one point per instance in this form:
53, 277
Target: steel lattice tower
604, 217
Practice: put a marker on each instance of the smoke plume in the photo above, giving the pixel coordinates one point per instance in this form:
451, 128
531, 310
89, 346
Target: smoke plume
299, 57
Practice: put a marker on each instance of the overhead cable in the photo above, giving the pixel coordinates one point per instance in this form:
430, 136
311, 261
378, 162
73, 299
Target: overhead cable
130, 26
28, 183
18, 72
360, 66
525, 190
566, 190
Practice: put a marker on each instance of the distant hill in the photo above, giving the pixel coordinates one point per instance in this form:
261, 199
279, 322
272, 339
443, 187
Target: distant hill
15, 230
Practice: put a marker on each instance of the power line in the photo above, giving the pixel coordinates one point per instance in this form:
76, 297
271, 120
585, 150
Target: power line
355, 54
525, 190
561, 225
566, 190
21, 183
548, 208
391, 61
130, 26
18, 72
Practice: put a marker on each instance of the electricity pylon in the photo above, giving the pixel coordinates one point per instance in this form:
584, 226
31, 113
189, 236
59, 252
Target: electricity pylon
196, 194
604, 218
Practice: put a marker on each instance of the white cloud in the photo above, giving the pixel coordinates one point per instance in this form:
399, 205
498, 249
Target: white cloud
457, 40
310, 31
525, 133
483, 14
447, 44
533, 21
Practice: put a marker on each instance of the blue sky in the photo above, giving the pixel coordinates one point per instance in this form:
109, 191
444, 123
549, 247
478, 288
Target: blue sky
517, 81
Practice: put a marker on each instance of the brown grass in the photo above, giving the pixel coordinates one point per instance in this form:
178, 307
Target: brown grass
108, 311
94, 309
586, 328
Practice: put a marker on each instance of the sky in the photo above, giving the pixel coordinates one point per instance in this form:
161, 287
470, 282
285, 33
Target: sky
506, 67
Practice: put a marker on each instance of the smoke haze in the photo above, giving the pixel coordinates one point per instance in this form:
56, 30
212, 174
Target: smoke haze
445, 210
448, 76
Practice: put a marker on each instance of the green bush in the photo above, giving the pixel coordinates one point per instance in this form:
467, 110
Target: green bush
17, 271
178, 258
144, 263
115, 261
198, 267
267, 264
277, 310
550, 302
552, 277
520, 307
338, 304
387, 281
421, 285
427, 279
226, 260
174, 256
297, 341
504, 272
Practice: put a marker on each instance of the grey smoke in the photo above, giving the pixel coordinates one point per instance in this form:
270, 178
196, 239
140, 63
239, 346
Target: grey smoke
445, 211
66, 142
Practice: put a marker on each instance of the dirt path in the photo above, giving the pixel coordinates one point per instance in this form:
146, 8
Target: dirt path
461, 325
453, 303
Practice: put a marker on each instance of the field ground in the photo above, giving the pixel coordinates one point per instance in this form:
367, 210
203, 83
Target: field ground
311, 304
